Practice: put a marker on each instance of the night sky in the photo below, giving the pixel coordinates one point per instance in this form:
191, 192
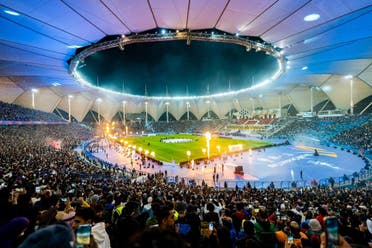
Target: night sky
176, 66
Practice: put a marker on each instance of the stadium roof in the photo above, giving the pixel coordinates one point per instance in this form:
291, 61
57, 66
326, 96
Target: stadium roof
323, 41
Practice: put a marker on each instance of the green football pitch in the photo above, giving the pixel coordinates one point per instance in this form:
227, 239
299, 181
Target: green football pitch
177, 152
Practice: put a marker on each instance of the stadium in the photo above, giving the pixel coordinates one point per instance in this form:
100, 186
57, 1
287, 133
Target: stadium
225, 123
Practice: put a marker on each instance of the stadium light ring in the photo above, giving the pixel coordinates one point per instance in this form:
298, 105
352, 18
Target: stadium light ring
170, 36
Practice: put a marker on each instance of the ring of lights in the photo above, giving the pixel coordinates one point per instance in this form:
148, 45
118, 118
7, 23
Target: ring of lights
188, 36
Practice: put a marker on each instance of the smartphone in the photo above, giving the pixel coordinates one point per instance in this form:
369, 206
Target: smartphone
283, 217
331, 231
211, 226
290, 240
37, 190
83, 234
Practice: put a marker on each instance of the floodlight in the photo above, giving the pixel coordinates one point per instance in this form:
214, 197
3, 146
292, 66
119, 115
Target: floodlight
304, 68
311, 17
74, 46
34, 90
11, 12
348, 77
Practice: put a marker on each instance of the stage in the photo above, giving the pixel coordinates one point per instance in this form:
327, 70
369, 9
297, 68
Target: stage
281, 164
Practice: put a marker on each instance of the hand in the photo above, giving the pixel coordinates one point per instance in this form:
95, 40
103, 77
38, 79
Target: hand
342, 242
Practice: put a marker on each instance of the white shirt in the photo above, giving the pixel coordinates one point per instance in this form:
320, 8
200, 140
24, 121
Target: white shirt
100, 235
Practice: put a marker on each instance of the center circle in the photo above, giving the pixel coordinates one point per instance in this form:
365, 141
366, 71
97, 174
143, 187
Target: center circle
174, 141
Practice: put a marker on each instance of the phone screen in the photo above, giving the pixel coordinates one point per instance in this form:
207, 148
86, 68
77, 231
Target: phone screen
83, 234
332, 232
211, 226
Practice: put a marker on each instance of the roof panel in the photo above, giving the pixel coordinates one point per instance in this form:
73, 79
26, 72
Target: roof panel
134, 13
366, 75
359, 49
170, 13
37, 69
239, 14
272, 16
203, 14
356, 29
326, 9
313, 33
59, 15
103, 18
9, 90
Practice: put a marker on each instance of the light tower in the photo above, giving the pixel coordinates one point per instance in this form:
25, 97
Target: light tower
124, 112
69, 97
188, 110
351, 94
99, 100
167, 105
33, 92
146, 103
188, 153
209, 108
208, 139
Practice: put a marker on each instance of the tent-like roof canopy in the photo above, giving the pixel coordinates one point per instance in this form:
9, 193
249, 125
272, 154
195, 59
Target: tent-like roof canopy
38, 37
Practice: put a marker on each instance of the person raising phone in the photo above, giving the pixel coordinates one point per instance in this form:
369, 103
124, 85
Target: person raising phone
331, 237
82, 226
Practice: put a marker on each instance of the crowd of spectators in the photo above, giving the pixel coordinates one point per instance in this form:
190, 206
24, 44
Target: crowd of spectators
358, 138
344, 131
191, 126
13, 112
48, 192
